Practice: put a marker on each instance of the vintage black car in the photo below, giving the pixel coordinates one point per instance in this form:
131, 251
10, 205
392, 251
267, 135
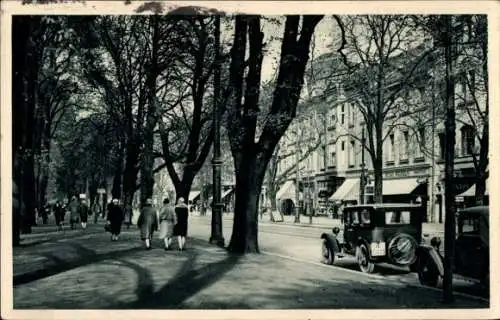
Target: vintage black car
376, 233
471, 250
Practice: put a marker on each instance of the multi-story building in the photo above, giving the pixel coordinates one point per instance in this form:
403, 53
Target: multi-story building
413, 151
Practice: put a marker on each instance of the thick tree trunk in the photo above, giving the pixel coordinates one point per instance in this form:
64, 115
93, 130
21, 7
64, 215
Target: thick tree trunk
116, 189
244, 238
147, 163
130, 173
378, 177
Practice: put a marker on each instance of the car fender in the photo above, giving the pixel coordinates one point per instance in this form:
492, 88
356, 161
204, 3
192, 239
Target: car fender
332, 241
434, 255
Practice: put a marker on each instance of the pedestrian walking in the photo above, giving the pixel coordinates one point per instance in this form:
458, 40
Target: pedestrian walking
114, 219
128, 215
83, 211
180, 229
147, 223
96, 210
59, 212
168, 220
73, 211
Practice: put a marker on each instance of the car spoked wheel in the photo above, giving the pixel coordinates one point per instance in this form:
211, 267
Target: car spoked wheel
428, 273
363, 258
327, 254
402, 249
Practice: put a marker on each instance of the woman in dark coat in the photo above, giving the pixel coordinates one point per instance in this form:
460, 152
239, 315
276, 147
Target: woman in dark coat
59, 212
147, 222
180, 229
115, 219
83, 210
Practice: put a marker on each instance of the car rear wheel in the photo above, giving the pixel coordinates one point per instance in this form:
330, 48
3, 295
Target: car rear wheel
327, 253
428, 273
363, 258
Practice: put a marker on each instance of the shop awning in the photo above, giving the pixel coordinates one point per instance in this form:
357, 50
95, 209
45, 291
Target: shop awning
399, 186
287, 191
471, 192
348, 191
193, 195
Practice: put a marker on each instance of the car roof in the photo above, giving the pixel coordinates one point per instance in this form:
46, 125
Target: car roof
482, 210
385, 205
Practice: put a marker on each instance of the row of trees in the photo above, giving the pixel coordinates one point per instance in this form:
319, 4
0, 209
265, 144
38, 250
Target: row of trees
127, 96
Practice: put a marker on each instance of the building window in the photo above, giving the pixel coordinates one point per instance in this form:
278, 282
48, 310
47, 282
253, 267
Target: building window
404, 147
390, 149
419, 155
342, 146
332, 160
468, 139
342, 115
352, 155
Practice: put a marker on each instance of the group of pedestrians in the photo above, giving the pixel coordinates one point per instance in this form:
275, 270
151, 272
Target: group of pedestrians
170, 222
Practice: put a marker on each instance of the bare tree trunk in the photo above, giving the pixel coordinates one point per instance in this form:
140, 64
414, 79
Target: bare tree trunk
147, 163
247, 202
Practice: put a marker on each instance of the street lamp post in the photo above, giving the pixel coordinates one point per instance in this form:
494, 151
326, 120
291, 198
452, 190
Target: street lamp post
216, 234
363, 177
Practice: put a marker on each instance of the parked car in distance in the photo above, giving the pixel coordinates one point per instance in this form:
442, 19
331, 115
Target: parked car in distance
375, 233
471, 250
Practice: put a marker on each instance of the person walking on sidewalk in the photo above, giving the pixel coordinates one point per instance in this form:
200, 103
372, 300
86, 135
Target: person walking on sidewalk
96, 210
73, 211
59, 212
115, 219
180, 229
128, 215
147, 223
168, 220
83, 211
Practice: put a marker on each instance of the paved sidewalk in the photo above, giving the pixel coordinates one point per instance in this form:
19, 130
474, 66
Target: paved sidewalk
88, 271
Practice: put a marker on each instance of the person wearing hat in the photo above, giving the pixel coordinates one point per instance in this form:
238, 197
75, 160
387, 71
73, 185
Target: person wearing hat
168, 220
83, 211
147, 223
73, 209
114, 219
180, 229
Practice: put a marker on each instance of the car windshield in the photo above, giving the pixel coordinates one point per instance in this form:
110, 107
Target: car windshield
397, 217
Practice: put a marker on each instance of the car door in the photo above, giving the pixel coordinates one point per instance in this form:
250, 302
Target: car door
351, 225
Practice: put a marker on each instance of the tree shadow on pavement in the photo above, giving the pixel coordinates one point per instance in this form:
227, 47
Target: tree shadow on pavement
352, 294
85, 257
188, 281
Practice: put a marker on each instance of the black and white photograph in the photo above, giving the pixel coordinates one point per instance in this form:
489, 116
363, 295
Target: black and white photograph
322, 159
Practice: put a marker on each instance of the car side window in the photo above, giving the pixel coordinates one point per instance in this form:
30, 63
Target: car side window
397, 217
355, 217
365, 216
469, 225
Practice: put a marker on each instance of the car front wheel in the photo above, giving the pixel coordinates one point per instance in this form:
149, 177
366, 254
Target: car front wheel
327, 254
363, 258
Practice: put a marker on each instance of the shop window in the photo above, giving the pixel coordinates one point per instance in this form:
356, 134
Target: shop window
468, 139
